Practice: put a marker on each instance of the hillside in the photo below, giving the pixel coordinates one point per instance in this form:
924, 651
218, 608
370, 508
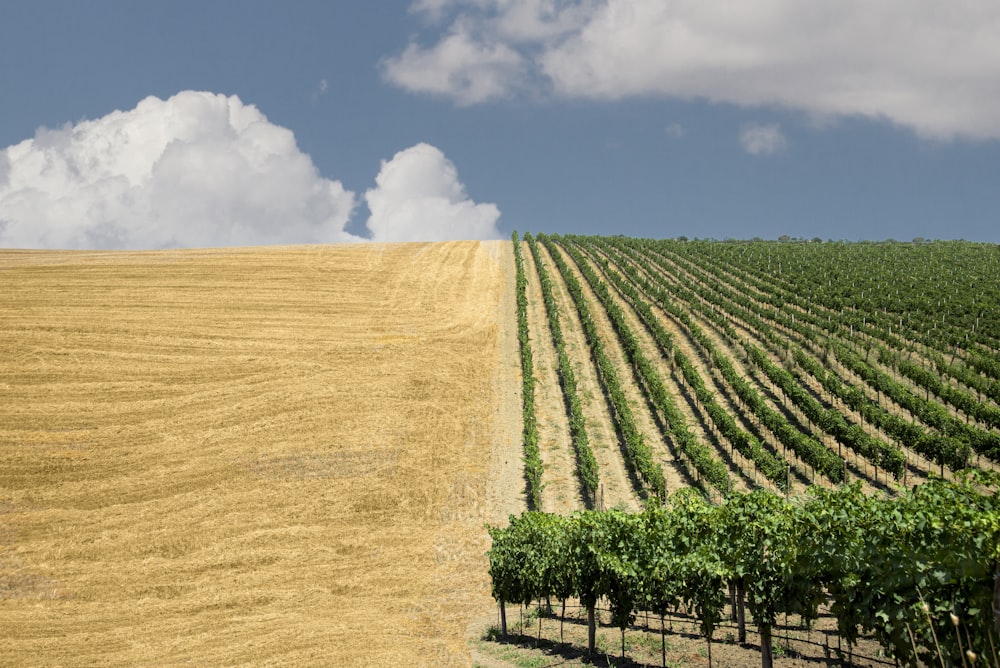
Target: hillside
287, 455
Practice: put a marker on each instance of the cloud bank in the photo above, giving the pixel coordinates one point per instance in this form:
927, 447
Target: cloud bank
202, 170
929, 66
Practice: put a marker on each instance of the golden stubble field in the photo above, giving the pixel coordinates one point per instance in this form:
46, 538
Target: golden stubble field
253, 456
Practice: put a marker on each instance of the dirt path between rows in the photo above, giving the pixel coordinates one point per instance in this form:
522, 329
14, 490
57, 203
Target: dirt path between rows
505, 488
616, 487
560, 483
673, 470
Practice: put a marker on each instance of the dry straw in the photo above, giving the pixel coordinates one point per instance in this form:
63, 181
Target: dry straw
256, 456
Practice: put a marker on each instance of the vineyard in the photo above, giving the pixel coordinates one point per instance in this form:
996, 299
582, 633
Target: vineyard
807, 428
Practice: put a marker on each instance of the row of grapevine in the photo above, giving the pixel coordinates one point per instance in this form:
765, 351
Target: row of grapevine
941, 294
918, 571
842, 326
745, 443
950, 452
879, 326
638, 453
965, 375
585, 461
931, 382
852, 436
699, 454
904, 432
984, 441
802, 444
532, 457
942, 450
805, 447
832, 422
792, 373
897, 567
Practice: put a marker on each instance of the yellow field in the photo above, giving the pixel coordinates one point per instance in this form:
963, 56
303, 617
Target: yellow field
260, 456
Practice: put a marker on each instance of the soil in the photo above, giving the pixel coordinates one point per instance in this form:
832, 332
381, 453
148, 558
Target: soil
505, 490
565, 643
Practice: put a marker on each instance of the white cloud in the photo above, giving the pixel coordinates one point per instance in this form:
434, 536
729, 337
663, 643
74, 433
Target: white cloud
758, 139
675, 130
418, 197
203, 170
515, 20
930, 66
459, 66
198, 169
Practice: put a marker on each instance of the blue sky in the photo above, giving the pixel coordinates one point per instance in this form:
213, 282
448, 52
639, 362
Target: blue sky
636, 117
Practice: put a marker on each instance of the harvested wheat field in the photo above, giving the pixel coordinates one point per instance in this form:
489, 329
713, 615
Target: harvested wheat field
253, 456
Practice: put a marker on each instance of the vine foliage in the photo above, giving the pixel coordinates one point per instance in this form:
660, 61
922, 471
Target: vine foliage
900, 568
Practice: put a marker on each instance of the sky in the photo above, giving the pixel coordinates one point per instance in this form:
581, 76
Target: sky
218, 123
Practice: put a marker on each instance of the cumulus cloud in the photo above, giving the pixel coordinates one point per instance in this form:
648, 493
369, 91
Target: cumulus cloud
459, 66
930, 66
195, 170
198, 169
418, 197
758, 139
